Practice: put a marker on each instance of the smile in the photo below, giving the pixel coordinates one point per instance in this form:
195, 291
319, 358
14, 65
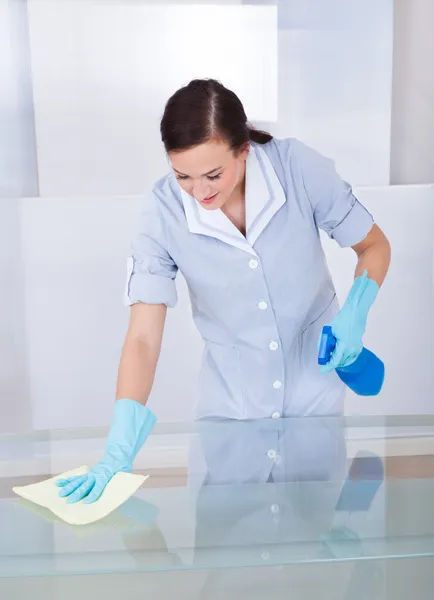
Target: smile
210, 199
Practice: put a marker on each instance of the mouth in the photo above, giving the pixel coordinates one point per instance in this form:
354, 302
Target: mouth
210, 199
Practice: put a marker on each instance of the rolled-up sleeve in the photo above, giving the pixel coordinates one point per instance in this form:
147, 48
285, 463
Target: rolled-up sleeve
336, 210
151, 270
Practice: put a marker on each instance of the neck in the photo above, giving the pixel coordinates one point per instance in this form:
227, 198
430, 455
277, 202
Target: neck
235, 207
238, 196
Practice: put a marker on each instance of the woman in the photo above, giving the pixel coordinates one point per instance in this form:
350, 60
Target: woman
239, 216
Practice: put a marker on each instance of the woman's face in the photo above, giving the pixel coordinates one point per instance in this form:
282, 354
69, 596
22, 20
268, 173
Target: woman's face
210, 172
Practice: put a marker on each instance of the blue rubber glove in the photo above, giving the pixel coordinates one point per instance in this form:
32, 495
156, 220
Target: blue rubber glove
349, 325
131, 424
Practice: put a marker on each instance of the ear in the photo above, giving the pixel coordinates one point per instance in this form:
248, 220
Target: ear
243, 152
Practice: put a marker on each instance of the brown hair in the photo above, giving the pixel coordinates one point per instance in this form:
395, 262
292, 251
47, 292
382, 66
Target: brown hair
205, 109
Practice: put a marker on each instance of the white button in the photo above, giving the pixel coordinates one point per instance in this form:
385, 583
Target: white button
277, 384
275, 415
273, 346
271, 454
263, 305
275, 509
253, 264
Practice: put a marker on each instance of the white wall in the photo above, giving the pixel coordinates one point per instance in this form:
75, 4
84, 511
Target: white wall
401, 322
74, 272
335, 82
99, 96
102, 71
18, 177
413, 93
74, 252
18, 169
15, 404
62, 259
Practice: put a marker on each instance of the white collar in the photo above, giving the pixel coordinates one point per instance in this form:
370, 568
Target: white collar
264, 197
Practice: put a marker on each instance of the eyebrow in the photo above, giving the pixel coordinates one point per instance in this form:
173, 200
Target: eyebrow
204, 175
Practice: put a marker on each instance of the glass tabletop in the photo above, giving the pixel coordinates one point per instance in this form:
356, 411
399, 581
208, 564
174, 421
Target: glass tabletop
229, 495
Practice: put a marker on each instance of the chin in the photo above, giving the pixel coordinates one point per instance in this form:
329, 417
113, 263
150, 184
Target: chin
216, 205
220, 203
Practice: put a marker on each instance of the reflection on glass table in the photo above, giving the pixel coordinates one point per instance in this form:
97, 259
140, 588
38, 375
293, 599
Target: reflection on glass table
237, 495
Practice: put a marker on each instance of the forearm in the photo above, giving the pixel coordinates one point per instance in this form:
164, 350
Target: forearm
132, 421
136, 370
374, 258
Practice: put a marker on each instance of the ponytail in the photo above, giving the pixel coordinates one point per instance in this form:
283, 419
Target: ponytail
258, 136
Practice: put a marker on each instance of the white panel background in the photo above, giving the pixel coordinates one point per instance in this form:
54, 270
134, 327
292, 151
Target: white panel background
413, 93
104, 70
97, 116
102, 73
18, 171
401, 322
335, 81
75, 320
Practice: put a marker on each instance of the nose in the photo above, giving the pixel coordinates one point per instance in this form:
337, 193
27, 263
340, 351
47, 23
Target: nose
201, 190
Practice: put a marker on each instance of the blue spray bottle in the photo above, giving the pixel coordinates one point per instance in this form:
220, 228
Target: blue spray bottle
365, 376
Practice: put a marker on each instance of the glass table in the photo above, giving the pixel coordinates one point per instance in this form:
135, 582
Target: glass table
309, 508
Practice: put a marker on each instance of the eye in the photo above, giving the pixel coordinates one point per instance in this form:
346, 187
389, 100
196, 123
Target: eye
214, 177
182, 177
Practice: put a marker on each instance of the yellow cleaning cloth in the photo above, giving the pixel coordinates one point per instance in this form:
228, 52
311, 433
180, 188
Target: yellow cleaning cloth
46, 493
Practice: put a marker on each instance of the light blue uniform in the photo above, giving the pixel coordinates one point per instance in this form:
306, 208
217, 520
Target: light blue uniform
259, 301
